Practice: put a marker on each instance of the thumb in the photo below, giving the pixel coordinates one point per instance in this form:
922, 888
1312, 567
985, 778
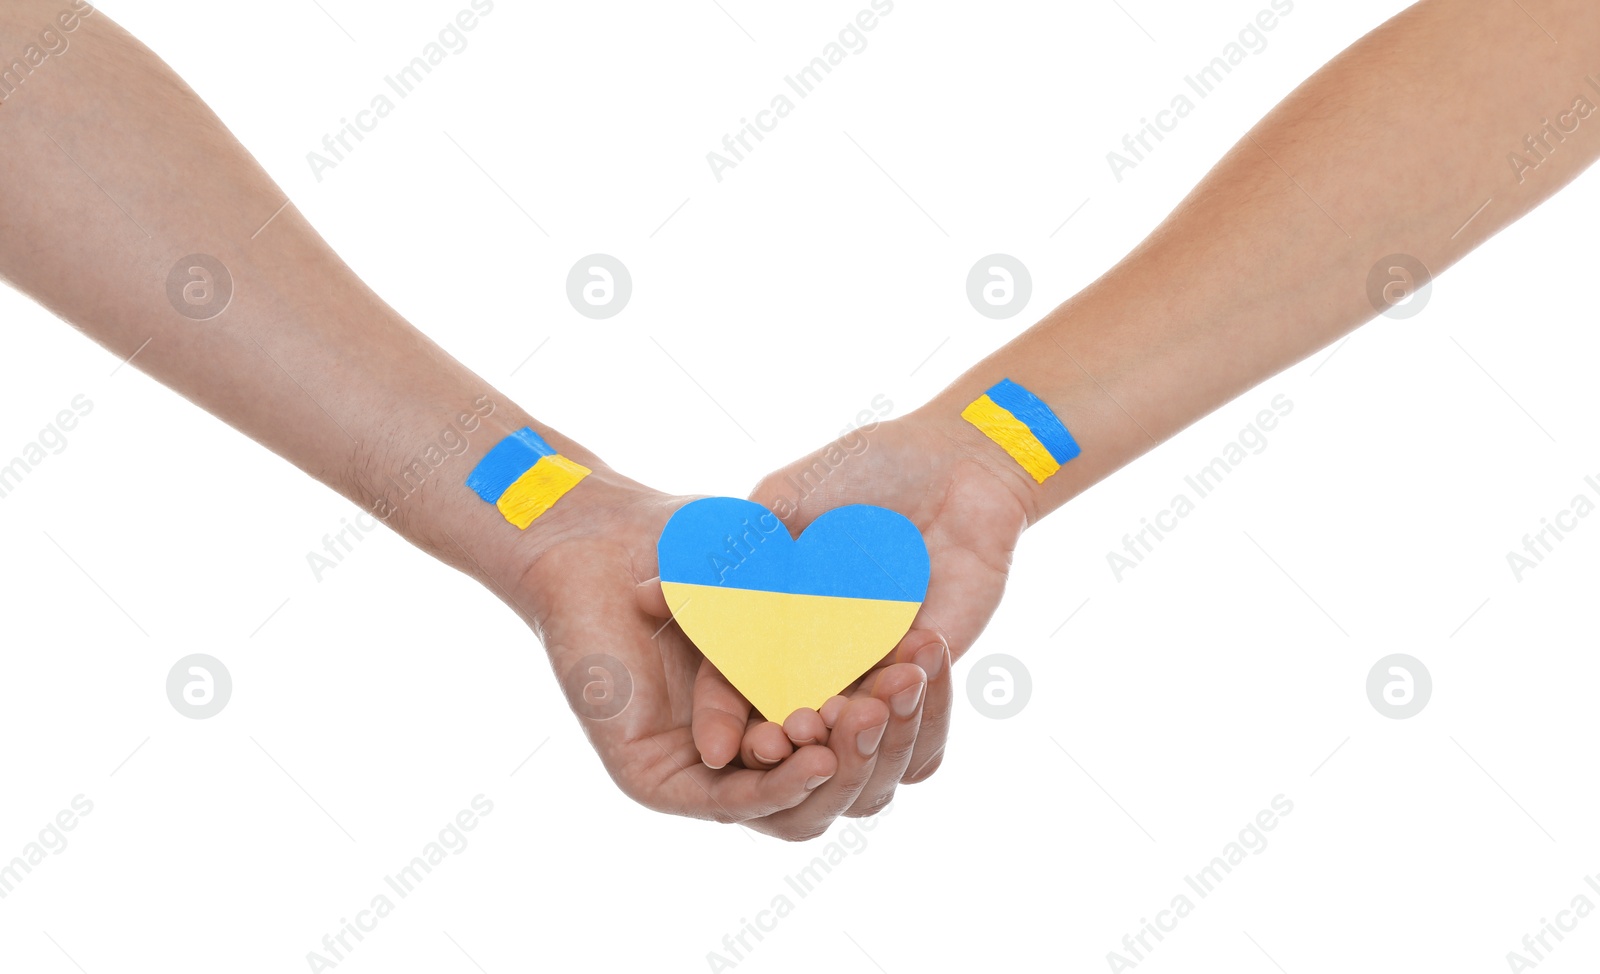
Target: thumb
651, 600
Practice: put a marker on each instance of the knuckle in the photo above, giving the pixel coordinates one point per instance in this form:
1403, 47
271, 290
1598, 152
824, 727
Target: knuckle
869, 807
897, 752
771, 485
804, 833
927, 769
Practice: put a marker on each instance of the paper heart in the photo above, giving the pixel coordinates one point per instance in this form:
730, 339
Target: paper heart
791, 622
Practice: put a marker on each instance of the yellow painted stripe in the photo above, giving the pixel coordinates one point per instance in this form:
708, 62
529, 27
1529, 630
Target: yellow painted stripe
786, 651
997, 423
533, 493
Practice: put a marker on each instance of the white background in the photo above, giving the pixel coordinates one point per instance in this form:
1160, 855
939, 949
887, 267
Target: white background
371, 706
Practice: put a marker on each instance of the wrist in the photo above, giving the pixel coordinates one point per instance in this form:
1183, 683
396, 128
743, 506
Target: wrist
965, 446
415, 480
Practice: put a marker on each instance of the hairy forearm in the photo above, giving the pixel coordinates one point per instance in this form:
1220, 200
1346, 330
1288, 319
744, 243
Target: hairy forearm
1388, 149
114, 171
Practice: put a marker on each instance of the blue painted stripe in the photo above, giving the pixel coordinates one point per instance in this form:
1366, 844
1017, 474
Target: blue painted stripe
509, 459
853, 552
1031, 411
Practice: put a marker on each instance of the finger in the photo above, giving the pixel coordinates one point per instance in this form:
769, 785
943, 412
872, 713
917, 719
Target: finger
832, 710
719, 716
651, 599
902, 687
933, 656
775, 493
764, 745
805, 726
746, 795
854, 742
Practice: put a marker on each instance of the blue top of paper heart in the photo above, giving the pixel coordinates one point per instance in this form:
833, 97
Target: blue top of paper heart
858, 551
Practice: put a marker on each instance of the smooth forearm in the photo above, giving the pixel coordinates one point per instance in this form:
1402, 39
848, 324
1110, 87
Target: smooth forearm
115, 171
1388, 149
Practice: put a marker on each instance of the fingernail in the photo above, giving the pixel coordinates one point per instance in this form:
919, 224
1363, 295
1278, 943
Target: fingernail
764, 758
931, 658
815, 780
904, 703
867, 740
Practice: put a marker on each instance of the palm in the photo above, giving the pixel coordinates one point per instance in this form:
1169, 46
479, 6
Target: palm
969, 519
629, 678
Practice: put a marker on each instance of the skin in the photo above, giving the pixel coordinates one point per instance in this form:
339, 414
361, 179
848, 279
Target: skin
115, 169
1387, 149
960, 496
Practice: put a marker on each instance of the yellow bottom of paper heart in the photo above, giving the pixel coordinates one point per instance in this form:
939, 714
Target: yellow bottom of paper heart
785, 651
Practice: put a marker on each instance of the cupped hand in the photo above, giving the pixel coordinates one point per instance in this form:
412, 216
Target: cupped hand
630, 676
970, 515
